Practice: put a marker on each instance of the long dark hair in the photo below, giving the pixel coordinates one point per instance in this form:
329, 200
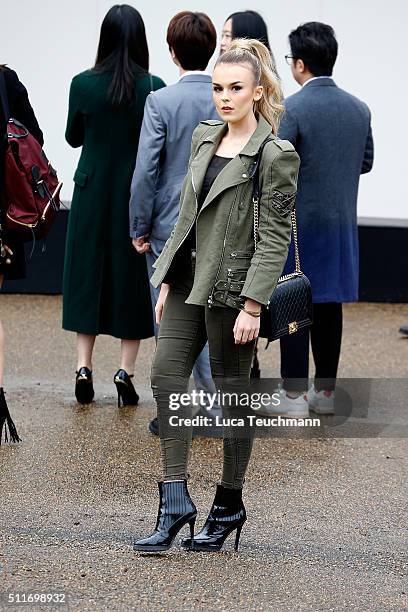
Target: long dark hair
123, 51
249, 24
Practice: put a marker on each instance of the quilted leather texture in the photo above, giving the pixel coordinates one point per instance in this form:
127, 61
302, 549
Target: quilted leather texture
291, 302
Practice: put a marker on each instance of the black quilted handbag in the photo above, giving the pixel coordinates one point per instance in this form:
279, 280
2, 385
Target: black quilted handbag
290, 305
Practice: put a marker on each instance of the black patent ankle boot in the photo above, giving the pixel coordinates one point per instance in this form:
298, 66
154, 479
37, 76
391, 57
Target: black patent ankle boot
227, 514
176, 509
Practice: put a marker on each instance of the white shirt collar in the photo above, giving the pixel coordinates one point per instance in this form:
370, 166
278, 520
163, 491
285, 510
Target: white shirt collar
314, 78
195, 72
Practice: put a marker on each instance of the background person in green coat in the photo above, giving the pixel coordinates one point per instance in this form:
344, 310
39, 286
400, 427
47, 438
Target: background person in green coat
105, 288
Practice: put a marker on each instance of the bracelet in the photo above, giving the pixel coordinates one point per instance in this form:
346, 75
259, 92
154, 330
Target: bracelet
253, 313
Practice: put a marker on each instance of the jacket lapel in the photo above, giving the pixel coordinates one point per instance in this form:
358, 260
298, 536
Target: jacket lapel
201, 162
234, 173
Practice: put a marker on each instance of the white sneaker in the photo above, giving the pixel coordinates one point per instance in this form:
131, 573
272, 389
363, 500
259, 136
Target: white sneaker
292, 408
321, 402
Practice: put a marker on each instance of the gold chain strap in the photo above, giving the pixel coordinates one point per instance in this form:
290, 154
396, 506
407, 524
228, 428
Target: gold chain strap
294, 232
256, 220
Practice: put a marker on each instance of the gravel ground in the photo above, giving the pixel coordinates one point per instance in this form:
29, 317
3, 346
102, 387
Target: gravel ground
327, 526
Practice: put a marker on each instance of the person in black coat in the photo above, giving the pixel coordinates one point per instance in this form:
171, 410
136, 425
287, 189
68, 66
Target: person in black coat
20, 109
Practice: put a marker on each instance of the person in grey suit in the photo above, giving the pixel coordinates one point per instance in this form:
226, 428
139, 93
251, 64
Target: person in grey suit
331, 131
164, 149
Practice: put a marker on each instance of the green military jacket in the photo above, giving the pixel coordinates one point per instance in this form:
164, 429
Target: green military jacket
228, 269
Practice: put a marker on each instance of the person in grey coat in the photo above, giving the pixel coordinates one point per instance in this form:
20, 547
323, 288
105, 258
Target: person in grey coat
331, 131
164, 149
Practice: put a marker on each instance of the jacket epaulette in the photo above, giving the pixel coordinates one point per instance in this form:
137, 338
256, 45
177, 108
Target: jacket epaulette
284, 145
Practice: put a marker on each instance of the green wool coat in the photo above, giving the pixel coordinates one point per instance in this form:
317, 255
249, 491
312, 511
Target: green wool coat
105, 286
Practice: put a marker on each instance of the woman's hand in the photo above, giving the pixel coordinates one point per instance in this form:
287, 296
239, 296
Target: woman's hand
164, 289
246, 326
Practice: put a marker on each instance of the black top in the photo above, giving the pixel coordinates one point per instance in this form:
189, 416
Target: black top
214, 168
216, 165
183, 255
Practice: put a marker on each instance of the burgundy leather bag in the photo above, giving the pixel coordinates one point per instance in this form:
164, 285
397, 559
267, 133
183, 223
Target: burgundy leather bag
31, 186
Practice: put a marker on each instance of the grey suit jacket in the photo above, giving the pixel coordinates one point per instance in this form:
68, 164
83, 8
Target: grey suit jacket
331, 131
170, 116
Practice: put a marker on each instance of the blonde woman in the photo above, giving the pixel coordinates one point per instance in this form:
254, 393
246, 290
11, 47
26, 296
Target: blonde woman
213, 284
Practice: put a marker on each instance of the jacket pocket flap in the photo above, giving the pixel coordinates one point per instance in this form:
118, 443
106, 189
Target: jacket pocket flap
80, 178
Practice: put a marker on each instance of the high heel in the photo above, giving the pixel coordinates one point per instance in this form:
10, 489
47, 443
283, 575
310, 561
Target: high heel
176, 509
84, 391
6, 421
192, 526
126, 392
237, 536
227, 514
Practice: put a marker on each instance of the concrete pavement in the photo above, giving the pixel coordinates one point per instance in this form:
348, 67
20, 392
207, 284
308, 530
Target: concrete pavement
327, 518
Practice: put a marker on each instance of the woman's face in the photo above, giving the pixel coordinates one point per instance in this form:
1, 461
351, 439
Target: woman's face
226, 36
234, 91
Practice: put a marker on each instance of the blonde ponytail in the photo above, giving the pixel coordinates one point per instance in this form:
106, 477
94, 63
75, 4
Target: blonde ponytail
255, 53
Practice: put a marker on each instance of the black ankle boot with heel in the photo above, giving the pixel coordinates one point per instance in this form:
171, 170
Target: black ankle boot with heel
176, 509
84, 391
127, 395
227, 514
6, 422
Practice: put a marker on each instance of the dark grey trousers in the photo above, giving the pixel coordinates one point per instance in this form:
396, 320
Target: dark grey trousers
184, 330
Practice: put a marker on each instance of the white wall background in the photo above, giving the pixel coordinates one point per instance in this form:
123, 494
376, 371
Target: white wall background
47, 42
